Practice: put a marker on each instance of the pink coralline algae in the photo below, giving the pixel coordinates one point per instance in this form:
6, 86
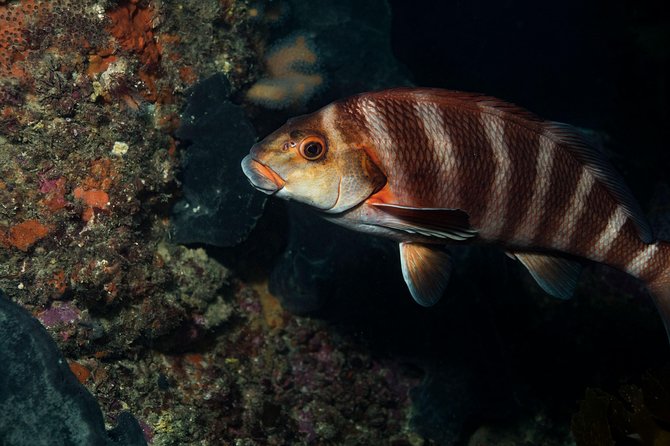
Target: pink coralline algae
59, 313
47, 185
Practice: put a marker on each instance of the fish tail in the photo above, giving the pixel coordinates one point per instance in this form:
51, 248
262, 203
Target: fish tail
658, 282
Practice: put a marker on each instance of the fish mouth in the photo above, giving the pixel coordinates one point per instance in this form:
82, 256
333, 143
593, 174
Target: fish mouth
261, 176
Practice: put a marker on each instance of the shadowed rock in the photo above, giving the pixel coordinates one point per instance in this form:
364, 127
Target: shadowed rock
218, 207
41, 401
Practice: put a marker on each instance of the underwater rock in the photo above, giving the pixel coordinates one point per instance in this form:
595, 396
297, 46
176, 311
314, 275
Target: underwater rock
41, 400
345, 33
444, 402
322, 266
218, 206
321, 262
300, 276
640, 410
318, 57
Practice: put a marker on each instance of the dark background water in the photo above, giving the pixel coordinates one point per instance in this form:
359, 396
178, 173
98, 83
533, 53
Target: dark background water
496, 351
602, 65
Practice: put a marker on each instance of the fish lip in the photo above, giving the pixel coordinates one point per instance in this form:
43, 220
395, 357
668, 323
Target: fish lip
261, 176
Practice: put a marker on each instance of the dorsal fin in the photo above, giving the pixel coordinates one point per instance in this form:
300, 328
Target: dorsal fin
565, 136
570, 139
460, 99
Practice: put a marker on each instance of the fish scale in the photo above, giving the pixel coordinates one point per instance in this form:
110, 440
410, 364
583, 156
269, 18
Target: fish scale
564, 178
481, 184
526, 231
429, 167
523, 152
475, 165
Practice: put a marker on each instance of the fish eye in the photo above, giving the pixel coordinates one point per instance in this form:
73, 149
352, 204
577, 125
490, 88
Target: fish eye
312, 148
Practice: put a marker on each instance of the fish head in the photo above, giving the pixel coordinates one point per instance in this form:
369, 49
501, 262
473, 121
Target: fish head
307, 162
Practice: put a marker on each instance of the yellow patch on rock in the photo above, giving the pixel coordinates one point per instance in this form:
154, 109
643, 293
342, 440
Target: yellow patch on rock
273, 313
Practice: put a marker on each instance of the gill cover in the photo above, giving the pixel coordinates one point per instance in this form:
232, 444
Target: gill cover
359, 178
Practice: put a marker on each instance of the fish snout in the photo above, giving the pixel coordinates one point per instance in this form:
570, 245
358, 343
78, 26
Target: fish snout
260, 176
255, 150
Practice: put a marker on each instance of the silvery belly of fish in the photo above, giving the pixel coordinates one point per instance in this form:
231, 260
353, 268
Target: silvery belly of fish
429, 167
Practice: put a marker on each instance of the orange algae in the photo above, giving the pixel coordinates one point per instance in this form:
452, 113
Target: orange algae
172, 148
273, 313
55, 195
194, 358
98, 63
187, 75
103, 175
132, 28
14, 18
131, 25
94, 199
58, 282
23, 235
93, 189
81, 372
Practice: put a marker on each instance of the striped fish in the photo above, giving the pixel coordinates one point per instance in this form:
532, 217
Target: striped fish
429, 167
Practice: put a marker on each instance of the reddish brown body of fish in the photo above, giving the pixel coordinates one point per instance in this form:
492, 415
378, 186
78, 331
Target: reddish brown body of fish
430, 167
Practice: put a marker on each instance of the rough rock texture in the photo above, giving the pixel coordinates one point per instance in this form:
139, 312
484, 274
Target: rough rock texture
353, 42
41, 400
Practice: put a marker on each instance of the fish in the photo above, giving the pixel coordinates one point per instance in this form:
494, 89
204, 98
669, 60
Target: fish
429, 168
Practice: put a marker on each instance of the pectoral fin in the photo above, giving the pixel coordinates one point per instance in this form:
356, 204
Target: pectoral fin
426, 270
556, 275
431, 222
